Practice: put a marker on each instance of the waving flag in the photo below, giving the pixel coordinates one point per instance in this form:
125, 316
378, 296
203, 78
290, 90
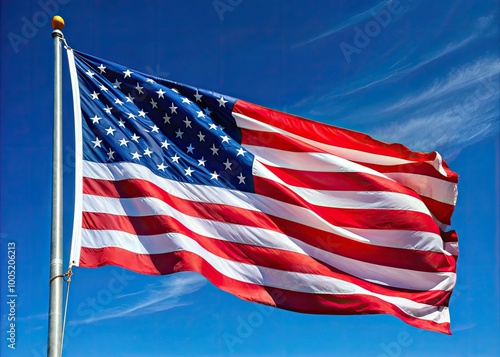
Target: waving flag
268, 206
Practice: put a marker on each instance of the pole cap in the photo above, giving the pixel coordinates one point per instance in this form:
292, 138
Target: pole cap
57, 22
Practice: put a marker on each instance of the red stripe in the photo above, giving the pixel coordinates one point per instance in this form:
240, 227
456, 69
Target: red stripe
351, 217
418, 168
331, 135
440, 210
394, 257
154, 225
295, 301
276, 141
339, 181
357, 181
282, 142
255, 255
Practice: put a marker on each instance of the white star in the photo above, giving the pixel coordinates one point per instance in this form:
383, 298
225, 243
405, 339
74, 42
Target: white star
174, 90
97, 142
102, 68
190, 148
201, 136
147, 152
110, 154
123, 142
189, 171
135, 138
198, 96
108, 109
117, 84
95, 95
207, 111
161, 167
150, 80
201, 162
228, 164
215, 151
127, 73
187, 101
95, 119
139, 88
212, 126
222, 102
103, 88
200, 114
142, 113
121, 123
110, 131
214, 176
173, 109
241, 152
153, 103
179, 133
225, 138
130, 99
241, 178
90, 73
166, 119
118, 101
165, 144
136, 156
175, 158
131, 116
160, 93
154, 129
187, 122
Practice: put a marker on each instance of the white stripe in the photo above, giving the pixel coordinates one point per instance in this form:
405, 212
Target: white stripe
348, 199
452, 248
407, 239
248, 273
246, 122
437, 189
308, 161
77, 212
259, 203
148, 206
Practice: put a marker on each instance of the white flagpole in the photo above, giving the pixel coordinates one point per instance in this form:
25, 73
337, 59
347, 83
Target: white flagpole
54, 348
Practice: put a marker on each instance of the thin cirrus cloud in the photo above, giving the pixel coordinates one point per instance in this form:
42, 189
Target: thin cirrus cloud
353, 20
453, 112
408, 69
163, 295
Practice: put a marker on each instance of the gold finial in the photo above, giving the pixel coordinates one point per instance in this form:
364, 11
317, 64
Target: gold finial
57, 22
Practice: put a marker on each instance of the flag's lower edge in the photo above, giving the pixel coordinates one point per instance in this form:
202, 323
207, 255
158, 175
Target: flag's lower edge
182, 261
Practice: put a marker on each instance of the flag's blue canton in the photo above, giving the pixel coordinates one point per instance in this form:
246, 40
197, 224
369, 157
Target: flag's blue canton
177, 131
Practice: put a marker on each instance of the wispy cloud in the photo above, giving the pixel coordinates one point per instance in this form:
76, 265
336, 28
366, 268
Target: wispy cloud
409, 68
161, 296
456, 111
459, 79
353, 20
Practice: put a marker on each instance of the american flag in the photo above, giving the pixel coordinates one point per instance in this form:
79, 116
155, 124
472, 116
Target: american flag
270, 207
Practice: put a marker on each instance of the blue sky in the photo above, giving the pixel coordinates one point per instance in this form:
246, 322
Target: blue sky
427, 75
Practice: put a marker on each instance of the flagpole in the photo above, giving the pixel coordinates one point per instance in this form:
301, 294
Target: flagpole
54, 347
